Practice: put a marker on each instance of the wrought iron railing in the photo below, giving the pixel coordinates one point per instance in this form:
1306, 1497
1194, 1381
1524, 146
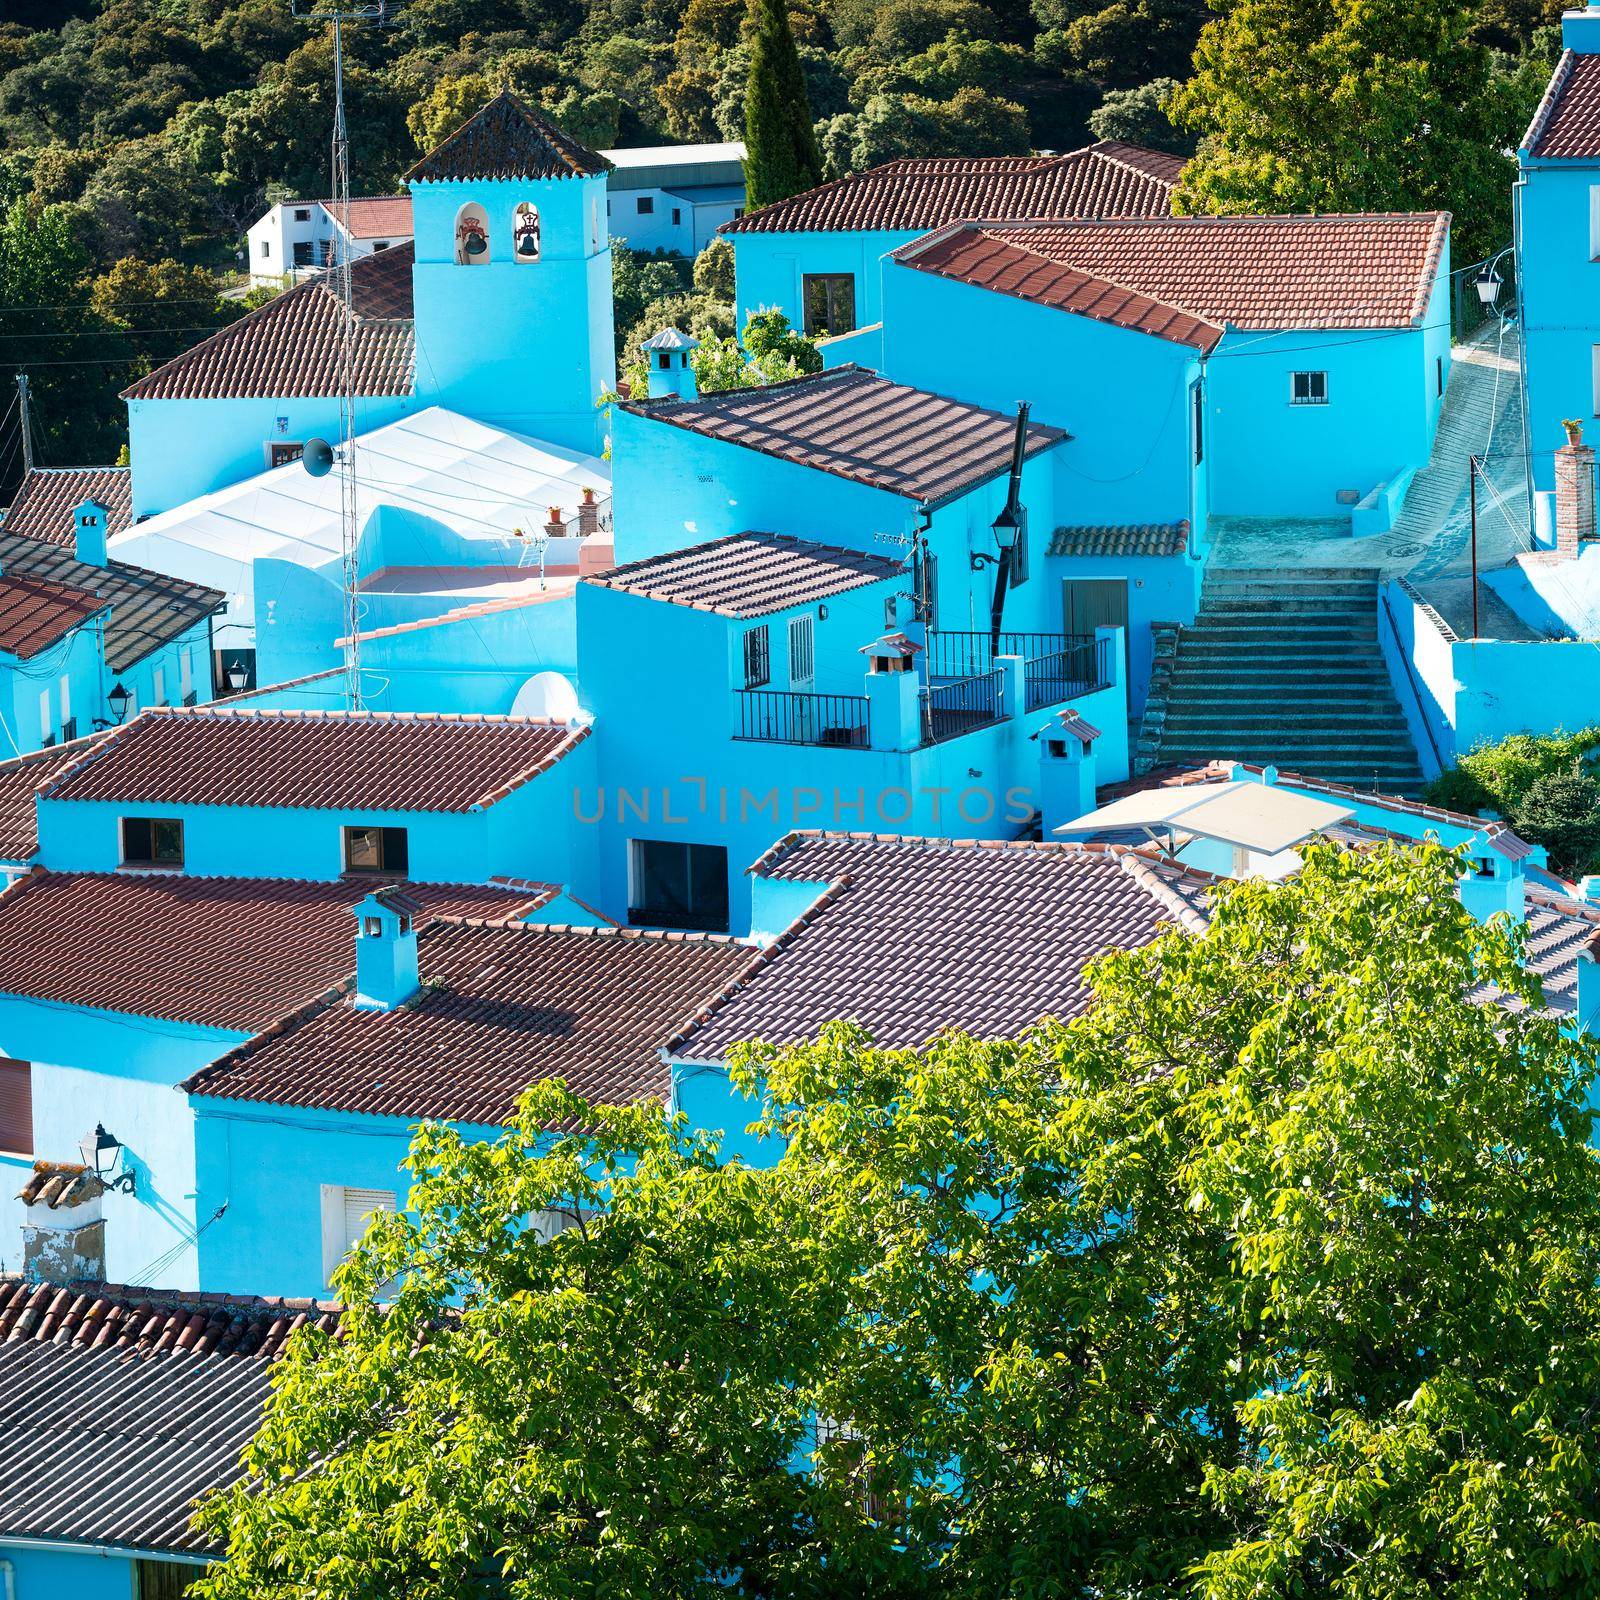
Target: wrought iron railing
780, 716
965, 655
1081, 666
962, 705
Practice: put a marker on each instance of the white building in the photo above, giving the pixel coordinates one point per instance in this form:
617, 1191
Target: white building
299, 236
674, 197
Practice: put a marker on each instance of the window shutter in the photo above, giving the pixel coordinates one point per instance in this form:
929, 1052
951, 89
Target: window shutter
802, 650
16, 1107
359, 1204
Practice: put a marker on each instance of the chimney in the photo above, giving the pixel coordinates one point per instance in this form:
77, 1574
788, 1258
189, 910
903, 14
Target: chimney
1066, 770
387, 974
894, 693
63, 1230
1574, 485
556, 527
588, 515
1494, 877
667, 355
1586, 1000
89, 533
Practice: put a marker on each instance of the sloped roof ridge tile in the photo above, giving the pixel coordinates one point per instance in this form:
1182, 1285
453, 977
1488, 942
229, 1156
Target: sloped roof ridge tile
507, 154
1545, 110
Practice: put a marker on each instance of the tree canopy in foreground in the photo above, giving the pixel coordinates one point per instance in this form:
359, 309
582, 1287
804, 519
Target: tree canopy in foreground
1275, 1274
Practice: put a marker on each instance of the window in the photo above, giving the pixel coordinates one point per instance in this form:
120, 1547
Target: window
472, 236
266, 249
163, 1580
186, 676
47, 725
1197, 405
66, 705
376, 850
1308, 388
382, 244
303, 214
345, 1214
161, 687
152, 842
802, 651
757, 658
302, 252
677, 216
281, 453
830, 302
738, 211
1438, 373
16, 1107
678, 885
646, 204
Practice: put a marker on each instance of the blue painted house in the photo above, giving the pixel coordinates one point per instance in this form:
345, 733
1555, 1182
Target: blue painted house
499, 308
817, 256
1557, 239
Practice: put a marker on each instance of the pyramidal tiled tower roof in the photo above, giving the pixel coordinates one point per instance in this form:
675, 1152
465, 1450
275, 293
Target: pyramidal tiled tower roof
507, 140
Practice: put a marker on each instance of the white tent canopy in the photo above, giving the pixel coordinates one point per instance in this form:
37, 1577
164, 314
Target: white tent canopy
477, 482
1249, 816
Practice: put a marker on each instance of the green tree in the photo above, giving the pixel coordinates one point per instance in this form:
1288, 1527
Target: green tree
1139, 116
781, 146
1561, 811
1273, 1274
1354, 105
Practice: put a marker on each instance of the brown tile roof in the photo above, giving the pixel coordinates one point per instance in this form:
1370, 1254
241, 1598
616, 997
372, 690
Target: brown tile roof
20, 781
47, 497
233, 953
988, 259
504, 1007
1567, 124
856, 425
35, 612
1121, 539
1369, 271
1109, 179
507, 139
382, 216
749, 574
148, 609
121, 1407
317, 760
289, 348
60, 1183
918, 935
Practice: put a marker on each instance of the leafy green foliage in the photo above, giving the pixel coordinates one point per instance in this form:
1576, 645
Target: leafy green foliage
781, 156
1355, 105
1139, 116
1561, 811
1274, 1274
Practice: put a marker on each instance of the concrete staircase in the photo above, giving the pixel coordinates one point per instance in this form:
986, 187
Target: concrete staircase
1283, 667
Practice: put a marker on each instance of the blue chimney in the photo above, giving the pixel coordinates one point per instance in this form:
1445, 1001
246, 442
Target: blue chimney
1495, 873
89, 533
668, 354
387, 974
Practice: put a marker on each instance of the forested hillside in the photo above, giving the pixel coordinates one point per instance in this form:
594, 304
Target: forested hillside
141, 137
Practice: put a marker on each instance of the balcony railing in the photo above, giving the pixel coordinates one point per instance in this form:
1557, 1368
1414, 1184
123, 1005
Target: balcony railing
779, 716
965, 655
962, 705
1080, 666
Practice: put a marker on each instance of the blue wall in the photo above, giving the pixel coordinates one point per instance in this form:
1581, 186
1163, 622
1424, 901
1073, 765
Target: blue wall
56, 1573
768, 268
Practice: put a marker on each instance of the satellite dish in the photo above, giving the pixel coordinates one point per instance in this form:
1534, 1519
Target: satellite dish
317, 458
546, 694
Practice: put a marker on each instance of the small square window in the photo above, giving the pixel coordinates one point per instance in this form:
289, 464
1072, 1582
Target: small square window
675, 885
1308, 388
376, 850
303, 214
152, 842
677, 216
266, 249
647, 204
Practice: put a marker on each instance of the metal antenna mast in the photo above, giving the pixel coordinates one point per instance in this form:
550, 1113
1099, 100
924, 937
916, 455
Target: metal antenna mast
337, 13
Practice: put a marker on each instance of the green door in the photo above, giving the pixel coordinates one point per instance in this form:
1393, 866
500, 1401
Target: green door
1090, 603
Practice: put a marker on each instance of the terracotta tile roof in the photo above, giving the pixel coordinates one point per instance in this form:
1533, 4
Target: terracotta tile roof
507, 139
120, 1407
289, 348
59, 1184
1124, 539
317, 760
20, 781
750, 574
36, 613
504, 1007
856, 425
148, 609
918, 935
1567, 124
382, 216
233, 953
1109, 179
1369, 271
47, 497
989, 259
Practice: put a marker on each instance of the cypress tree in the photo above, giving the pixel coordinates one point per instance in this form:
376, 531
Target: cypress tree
781, 155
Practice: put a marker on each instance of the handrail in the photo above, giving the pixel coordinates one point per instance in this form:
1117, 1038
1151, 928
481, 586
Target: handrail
1411, 677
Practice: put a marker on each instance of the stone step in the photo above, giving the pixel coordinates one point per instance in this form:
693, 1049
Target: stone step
1290, 577
1215, 674
1287, 605
1291, 723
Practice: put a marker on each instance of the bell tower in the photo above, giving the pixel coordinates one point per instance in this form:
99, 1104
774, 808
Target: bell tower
512, 281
